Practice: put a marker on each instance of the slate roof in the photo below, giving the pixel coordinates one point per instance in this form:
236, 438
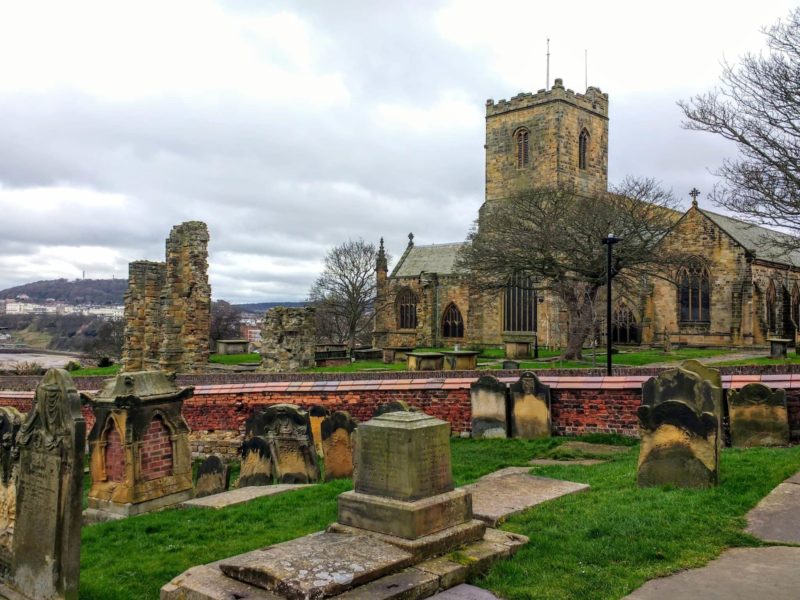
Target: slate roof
763, 243
434, 258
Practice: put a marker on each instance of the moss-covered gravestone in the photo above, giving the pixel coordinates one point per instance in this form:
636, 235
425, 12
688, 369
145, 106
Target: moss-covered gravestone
337, 441
256, 465
291, 446
317, 414
679, 426
489, 412
392, 406
758, 416
213, 477
530, 407
43, 463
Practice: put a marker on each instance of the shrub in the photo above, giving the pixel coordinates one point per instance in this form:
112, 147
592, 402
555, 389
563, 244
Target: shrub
72, 365
28, 368
104, 361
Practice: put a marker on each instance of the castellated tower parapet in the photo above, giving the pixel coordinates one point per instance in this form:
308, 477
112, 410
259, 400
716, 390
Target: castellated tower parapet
553, 137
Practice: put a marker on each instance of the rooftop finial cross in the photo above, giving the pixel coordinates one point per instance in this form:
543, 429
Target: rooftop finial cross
694, 194
410, 239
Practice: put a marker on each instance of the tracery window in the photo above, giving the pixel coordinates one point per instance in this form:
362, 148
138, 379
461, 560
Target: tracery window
407, 310
624, 328
583, 148
772, 308
694, 293
518, 304
452, 323
523, 156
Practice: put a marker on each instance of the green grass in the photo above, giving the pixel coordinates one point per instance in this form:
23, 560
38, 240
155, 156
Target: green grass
599, 544
235, 359
96, 371
792, 359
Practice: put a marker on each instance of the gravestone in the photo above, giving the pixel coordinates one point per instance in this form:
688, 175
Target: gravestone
530, 407
10, 422
489, 413
758, 416
291, 447
337, 442
714, 377
256, 465
213, 477
389, 407
45, 536
317, 414
679, 423
141, 459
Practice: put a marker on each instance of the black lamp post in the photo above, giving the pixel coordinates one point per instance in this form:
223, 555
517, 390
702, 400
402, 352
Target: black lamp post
609, 241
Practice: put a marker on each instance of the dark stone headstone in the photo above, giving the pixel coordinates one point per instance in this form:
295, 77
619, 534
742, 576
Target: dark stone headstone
337, 442
679, 422
213, 477
46, 539
530, 412
510, 365
291, 445
390, 407
758, 416
489, 412
256, 466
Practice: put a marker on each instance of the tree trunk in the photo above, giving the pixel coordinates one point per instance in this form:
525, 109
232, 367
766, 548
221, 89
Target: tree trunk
580, 301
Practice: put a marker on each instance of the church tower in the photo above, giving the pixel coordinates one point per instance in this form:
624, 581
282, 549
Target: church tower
554, 137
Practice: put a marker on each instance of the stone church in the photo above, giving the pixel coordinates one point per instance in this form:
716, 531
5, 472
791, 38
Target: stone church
740, 287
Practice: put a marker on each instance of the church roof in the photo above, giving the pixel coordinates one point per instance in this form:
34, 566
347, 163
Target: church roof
434, 258
763, 243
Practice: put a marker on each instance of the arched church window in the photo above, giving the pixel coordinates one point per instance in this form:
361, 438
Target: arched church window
523, 156
583, 148
518, 304
624, 328
407, 310
694, 293
452, 323
795, 310
772, 308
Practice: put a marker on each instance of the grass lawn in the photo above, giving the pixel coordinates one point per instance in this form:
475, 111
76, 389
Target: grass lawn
791, 359
96, 371
235, 359
599, 544
635, 358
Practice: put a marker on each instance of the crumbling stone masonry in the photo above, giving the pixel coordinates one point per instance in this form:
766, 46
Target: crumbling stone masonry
287, 339
168, 306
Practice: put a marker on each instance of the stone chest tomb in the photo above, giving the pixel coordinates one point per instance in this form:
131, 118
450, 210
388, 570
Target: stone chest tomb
140, 454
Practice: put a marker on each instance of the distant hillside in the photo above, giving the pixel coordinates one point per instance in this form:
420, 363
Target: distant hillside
79, 291
260, 307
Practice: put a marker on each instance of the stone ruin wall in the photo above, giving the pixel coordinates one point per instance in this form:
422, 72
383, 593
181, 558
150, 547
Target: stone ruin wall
287, 339
168, 306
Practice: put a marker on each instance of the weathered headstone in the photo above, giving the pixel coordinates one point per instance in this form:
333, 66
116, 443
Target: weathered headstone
141, 459
758, 416
389, 407
530, 412
714, 377
679, 426
213, 477
337, 442
291, 447
10, 422
489, 411
44, 562
317, 414
256, 463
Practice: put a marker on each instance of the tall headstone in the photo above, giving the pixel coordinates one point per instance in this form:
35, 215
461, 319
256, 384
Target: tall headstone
337, 442
291, 447
44, 563
530, 407
489, 411
317, 414
288, 339
10, 421
758, 416
213, 477
679, 423
141, 459
256, 466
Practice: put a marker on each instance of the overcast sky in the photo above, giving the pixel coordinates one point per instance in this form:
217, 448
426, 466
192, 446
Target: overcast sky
289, 127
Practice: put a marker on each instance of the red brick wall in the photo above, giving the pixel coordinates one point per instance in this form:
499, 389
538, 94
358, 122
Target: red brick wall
115, 455
156, 451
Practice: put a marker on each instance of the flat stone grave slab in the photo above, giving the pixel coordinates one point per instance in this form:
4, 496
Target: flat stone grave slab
599, 449
777, 517
497, 497
465, 592
317, 565
242, 495
738, 574
582, 462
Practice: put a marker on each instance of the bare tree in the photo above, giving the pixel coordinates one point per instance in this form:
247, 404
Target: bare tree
554, 236
757, 107
344, 293
225, 321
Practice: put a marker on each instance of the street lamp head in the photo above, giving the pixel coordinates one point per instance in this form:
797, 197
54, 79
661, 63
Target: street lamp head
610, 240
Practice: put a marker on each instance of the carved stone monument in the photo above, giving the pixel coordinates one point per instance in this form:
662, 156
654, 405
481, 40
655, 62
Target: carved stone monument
337, 442
530, 412
43, 527
489, 412
758, 416
256, 466
213, 477
291, 446
141, 459
679, 423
